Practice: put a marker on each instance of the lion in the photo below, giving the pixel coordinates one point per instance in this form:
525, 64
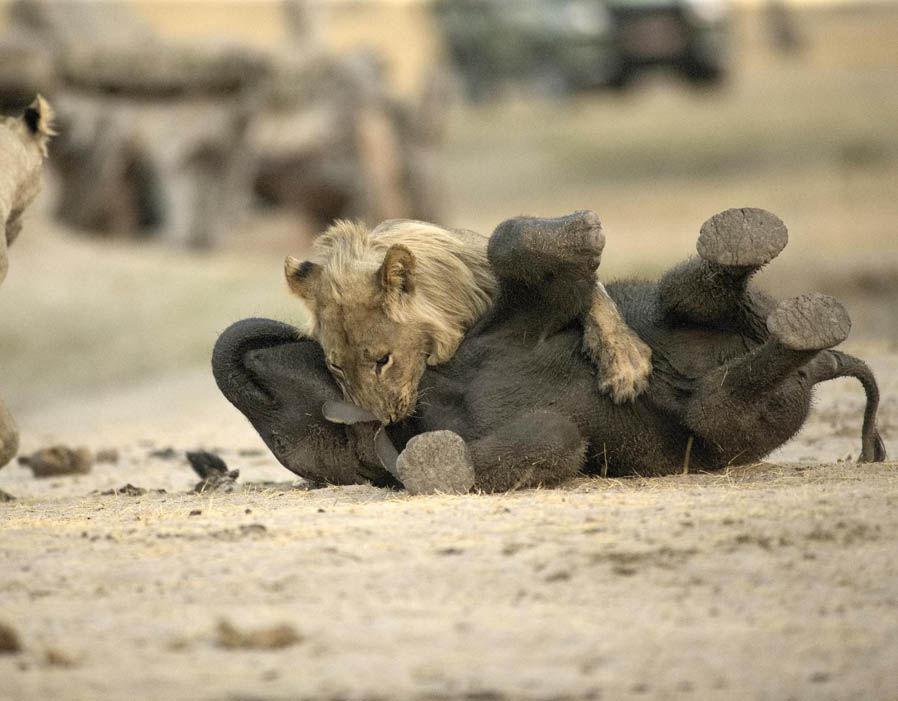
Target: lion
23, 147
385, 303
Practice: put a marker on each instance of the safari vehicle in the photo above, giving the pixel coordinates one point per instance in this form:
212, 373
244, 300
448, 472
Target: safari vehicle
565, 46
556, 45
691, 36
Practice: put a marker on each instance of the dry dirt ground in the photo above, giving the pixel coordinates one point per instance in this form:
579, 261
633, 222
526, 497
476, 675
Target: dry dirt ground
772, 581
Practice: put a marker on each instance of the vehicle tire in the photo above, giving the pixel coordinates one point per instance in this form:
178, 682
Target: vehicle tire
623, 76
702, 72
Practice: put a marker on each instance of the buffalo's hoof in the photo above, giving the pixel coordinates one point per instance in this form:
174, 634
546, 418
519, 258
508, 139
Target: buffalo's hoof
435, 462
873, 449
809, 322
742, 238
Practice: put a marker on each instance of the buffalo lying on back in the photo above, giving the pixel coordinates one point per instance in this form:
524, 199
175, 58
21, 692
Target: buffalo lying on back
517, 406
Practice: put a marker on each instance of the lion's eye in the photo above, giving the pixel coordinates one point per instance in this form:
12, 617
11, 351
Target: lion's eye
383, 360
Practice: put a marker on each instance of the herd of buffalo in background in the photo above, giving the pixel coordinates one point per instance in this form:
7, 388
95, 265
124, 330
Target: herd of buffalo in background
170, 140
176, 141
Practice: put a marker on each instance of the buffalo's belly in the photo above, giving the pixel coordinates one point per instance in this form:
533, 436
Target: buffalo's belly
495, 378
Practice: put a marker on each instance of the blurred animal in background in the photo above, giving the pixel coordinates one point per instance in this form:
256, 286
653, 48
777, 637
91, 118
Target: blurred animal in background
387, 303
23, 147
333, 143
174, 141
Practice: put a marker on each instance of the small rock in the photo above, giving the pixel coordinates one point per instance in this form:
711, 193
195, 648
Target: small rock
250, 530
5, 497
558, 576
129, 490
107, 455
178, 644
196, 512
9, 640
250, 452
55, 657
206, 464
274, 638
450, 551
58, 460
213, 471
253, 529
164, 453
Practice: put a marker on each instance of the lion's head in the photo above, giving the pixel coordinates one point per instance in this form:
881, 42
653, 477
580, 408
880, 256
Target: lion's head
384, 304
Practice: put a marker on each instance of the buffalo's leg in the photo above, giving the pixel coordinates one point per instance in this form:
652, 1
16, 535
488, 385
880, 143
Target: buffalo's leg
753, 403
536, 448
549, 267
713, 288
546, 270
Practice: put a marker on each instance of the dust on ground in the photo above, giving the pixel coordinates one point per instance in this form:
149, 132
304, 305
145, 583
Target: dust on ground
771, 581
774, 580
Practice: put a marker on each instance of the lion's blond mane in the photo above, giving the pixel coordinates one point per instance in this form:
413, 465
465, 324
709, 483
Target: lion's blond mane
454, 285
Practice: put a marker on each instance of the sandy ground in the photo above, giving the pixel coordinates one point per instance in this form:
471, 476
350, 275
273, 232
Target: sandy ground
771, 581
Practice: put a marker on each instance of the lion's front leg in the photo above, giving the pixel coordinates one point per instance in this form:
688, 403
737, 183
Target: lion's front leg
623, 359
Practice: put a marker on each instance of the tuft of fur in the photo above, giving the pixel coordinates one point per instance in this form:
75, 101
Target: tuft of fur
453, 282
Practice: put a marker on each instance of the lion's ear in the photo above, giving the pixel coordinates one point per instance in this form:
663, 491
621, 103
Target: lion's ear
38, 118
397, 273
302, 277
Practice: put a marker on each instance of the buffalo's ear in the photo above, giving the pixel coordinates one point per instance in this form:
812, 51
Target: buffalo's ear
302, 277
397, 273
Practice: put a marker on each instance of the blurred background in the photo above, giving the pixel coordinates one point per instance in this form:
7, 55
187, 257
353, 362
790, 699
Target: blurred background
202, 140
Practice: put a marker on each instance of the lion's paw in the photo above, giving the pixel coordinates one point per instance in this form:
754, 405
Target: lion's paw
625, 372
